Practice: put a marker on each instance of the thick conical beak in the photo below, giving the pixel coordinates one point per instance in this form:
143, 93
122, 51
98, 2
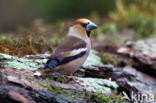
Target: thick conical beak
91, 26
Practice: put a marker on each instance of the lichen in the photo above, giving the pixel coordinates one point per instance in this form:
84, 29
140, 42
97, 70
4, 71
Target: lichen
146, 46
68, 93
98, 85
137, 84
101, 89
8, 61
92, 60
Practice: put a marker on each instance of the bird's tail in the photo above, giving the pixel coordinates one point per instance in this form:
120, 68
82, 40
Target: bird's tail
51, 63
40, 72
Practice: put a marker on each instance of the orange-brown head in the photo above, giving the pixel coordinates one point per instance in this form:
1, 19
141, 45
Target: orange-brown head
81, 28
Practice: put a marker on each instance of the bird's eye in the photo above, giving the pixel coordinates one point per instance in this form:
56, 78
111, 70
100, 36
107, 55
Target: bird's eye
84, 24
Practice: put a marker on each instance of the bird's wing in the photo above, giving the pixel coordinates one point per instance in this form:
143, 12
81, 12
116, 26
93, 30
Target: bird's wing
70, 46
69, 49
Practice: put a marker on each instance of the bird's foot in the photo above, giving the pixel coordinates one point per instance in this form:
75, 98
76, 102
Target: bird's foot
72, 79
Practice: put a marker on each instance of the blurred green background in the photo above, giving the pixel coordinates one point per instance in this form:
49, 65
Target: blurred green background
23, 12
53, 10
31, 25
112, 15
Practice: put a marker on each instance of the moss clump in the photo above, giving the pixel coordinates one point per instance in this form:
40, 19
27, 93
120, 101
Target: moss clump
69, 93
108, 58
24, 45
102, 98
61, 79
50, 87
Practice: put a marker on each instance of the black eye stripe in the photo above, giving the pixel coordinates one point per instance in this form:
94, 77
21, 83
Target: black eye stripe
84, 24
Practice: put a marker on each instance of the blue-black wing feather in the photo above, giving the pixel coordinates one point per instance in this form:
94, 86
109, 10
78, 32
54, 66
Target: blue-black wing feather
55, 61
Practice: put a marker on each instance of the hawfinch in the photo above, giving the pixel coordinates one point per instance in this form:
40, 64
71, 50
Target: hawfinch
73, 51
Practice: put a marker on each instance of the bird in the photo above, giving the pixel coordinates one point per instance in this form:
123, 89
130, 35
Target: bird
72, 52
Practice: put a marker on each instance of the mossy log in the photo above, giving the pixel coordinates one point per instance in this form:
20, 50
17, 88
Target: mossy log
17, 80
18, 84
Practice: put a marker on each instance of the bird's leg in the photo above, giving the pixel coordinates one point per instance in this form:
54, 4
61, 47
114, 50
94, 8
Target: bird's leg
72, 79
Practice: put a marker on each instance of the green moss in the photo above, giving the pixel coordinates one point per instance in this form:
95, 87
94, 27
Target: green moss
101, 98
110, 58
72, 94
61, 79
53, 89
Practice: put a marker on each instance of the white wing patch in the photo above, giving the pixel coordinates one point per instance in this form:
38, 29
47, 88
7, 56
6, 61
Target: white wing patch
78, 51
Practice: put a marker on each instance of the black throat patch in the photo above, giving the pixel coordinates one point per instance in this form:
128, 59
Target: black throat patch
84, 25
88, 33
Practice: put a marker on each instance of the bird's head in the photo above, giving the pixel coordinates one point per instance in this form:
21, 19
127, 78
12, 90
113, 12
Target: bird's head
81, 28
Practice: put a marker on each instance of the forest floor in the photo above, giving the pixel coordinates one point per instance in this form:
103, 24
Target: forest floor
114, 72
